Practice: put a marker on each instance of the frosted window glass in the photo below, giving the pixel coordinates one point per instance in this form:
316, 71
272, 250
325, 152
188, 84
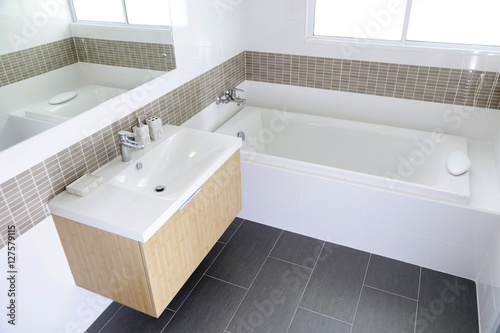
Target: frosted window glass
149, 12
374, 19
455, 21
108, 10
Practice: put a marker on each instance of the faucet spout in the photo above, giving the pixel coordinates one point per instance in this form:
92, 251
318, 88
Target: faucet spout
230, 95
126, 144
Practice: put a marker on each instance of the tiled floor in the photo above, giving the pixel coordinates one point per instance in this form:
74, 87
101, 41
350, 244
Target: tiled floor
262, 279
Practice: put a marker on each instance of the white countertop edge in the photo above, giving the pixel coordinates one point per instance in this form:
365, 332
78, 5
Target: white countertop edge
153, 227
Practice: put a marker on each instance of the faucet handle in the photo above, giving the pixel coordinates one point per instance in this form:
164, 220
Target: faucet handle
232, 92
125, 134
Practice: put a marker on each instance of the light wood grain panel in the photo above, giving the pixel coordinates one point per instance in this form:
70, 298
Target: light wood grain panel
168, 260
211, 211
105, 263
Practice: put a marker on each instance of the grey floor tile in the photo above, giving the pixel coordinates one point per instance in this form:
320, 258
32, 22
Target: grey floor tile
272, 300
381, 312
195, 277
446, 303
245, 253
306, 321
99, 323
208, 309
394, 276
226, 236
300, 250
128, 320
336, 282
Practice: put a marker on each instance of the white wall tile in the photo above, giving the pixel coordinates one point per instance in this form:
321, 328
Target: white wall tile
365, 108
394, 244
273, 185
31, 23
317, 102
496, 151
395, 211
299, 10
269, 35
269, 10
268, 95
425, 116
338, 230
453, 224
474, 123
339, 200
457, 260
265, 206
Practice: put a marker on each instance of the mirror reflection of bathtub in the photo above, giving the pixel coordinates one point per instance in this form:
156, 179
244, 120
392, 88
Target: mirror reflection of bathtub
100, 61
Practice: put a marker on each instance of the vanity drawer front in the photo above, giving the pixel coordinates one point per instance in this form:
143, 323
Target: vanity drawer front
209, 214
167, 258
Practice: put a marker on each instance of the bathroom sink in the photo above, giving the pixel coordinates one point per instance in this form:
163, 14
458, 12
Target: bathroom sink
172, 166
127, 204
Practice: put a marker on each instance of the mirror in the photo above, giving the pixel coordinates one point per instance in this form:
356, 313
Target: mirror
52, 69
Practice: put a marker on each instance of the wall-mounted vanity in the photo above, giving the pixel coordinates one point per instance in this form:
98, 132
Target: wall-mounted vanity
128, 242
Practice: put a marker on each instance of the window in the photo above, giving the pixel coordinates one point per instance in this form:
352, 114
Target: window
140, 12
451, 23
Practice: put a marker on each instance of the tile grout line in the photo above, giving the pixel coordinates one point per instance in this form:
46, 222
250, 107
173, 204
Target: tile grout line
215, 259
292, 263
305, 287
418, 296
251, 284
360, 293
39, 197
9, 210
110, 319
221, 280
388, 292
324, 315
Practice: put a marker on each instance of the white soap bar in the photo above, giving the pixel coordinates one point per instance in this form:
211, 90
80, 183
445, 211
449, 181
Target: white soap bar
83, 185
458, 163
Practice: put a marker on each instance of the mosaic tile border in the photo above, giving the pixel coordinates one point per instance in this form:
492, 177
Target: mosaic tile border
160, 57
38, 60
24, 64
421, 83
24, 198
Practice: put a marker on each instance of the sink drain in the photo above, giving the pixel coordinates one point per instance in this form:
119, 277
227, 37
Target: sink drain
160, 188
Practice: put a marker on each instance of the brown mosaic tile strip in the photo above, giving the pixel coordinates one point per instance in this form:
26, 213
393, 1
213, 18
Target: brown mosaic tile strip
24, 198
422, 83
126, 54
24, 64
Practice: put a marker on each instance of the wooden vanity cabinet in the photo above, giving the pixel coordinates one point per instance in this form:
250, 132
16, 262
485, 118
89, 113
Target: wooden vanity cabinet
146, 276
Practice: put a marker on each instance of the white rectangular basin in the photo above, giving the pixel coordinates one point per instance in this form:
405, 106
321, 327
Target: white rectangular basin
127, 203
175, 164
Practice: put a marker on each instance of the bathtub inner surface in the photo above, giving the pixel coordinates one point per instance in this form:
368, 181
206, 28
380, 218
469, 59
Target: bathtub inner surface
88, 97
400, 159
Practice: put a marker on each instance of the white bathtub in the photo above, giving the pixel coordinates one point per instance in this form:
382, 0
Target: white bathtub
402, 160
89, 96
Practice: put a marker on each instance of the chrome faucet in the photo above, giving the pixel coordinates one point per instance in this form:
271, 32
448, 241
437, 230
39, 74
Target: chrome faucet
126, 144
230, 95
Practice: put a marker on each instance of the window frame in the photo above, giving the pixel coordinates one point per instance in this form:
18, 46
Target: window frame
403, 43
125, 24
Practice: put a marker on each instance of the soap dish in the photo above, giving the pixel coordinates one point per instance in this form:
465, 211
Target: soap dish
83, 185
